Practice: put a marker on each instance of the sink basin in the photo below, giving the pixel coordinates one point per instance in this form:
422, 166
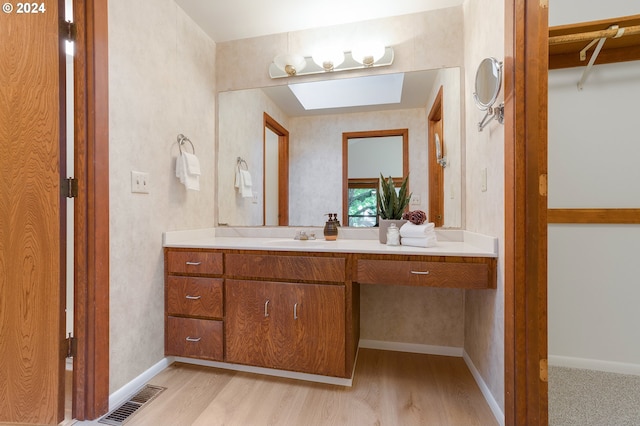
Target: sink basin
297, 243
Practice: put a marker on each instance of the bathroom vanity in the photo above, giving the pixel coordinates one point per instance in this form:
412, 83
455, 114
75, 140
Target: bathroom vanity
263, 300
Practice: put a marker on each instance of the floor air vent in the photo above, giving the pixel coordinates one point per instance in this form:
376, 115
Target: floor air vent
124, 412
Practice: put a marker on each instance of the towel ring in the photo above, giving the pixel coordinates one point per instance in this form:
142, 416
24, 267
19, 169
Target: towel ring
240, 162
181, 140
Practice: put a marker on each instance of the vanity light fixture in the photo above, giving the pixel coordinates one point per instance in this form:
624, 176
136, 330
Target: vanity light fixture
297, 65
368, 53
329, 59
290, 64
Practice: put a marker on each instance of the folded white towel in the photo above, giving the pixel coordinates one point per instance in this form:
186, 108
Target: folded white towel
419, 241
243, 183
412, 230
188, 170
193, 164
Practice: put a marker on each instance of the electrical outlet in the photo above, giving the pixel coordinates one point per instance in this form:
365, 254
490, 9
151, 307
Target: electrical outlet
254, 199
415, 200
139, 182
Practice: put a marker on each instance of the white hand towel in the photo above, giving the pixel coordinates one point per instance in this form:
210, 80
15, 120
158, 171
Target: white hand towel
193, 164
188, 171
412, 230
419, 241
245, 184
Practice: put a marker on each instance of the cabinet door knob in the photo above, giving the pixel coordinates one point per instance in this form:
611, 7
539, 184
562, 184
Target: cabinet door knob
295, 311
266, 308
193, 339
192, 297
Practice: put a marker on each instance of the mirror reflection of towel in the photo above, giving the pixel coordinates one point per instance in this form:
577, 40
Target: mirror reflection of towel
243, 183
188, 170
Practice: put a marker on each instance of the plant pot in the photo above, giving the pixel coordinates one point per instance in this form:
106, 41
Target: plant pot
384, 225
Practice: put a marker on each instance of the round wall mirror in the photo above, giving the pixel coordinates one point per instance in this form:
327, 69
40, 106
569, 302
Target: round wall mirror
488, 82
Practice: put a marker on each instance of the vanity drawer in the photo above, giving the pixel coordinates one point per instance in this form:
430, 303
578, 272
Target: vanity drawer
327, 269
194, 262
424, 274
194, 296
194, 338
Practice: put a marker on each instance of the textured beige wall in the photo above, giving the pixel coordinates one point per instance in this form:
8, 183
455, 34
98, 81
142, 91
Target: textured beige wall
484, 310
161, 83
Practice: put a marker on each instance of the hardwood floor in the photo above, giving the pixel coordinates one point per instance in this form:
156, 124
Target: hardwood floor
389, 388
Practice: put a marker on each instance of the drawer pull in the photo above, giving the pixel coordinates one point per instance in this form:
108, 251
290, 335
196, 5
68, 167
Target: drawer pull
420, 272
194, 263
193, 339
193, 297
266, 308
295, 311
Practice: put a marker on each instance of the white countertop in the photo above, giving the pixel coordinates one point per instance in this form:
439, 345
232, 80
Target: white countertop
350, 240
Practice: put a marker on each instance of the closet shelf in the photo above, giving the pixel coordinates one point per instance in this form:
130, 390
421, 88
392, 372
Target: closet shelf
566, 42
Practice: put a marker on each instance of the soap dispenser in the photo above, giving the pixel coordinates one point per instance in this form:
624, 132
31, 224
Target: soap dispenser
331, 228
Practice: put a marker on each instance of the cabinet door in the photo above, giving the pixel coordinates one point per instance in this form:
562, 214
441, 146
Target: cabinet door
254, 331
317, 318
298, 327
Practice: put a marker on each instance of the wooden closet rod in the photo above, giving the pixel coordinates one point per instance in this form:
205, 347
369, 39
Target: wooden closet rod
592, 35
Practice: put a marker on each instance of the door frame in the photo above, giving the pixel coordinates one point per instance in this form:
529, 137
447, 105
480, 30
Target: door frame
525, 279
91, 259
436, 171
283, 168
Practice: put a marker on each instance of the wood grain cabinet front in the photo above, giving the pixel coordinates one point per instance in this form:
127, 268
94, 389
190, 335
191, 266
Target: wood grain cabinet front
194, 296
426, 273
289, 326
181, 262
195, 338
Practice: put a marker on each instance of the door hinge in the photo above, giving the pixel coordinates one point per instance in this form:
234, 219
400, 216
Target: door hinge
72, 346
68, 30
543, 185
70, 188
544, 370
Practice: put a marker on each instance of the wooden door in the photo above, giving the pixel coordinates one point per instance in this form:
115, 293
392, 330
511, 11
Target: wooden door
32, 213
317, 322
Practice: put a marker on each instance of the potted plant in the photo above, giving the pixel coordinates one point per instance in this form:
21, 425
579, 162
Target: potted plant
391, 204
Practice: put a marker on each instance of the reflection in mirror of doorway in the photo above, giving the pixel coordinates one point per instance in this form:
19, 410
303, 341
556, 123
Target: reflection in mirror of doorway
276, 173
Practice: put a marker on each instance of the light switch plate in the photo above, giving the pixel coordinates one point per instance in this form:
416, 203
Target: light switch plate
139, 182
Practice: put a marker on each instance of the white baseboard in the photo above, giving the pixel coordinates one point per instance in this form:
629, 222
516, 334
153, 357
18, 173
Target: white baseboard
594, 364
411, 347
268, 371
488, 396
122, 394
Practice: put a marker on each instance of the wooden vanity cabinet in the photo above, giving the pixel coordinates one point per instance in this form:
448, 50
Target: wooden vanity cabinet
286, 312
298, 327
194, 308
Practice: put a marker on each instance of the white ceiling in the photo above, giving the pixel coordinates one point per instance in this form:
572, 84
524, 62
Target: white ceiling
226, 20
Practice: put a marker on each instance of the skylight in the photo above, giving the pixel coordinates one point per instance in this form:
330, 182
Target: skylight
380, 89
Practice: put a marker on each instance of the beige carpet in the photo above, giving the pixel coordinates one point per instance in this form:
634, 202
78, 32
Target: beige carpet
593, 398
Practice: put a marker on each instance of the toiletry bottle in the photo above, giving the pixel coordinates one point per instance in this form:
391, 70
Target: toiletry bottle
393, 235
330, 229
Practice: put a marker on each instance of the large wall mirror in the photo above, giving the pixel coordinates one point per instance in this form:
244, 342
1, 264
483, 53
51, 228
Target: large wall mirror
315, 157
